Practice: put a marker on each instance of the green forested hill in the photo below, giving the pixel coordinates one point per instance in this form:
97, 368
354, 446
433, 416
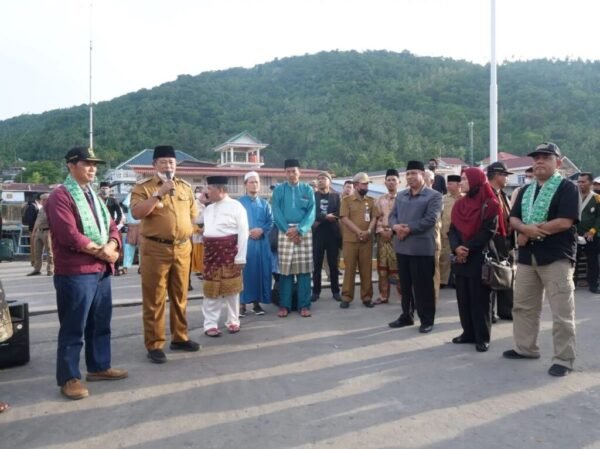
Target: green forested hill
340, 110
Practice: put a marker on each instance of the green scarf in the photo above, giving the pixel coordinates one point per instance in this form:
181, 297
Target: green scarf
90, 226
535, 212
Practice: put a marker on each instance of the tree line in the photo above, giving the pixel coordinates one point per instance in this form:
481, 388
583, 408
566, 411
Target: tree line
343, 111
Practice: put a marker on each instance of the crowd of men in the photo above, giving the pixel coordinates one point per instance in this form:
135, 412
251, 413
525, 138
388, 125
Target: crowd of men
246, 243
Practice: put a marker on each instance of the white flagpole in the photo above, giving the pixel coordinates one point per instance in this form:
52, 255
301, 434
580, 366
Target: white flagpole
91, 105
493, 90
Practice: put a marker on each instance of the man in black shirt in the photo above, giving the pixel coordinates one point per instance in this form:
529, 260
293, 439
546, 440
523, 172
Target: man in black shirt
544, 216
439, 183
326, 235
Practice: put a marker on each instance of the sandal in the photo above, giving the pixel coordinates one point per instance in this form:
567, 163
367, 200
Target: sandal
4, 407
283, 312
380, 301
212, 332
233, 328
305, 313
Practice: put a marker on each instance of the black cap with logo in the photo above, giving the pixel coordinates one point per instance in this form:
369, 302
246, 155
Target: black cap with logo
77, 154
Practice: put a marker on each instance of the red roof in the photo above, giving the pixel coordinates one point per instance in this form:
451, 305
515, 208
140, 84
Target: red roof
453, 161
503, 156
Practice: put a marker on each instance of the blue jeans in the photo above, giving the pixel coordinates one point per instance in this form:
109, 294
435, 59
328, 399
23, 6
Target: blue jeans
84, 304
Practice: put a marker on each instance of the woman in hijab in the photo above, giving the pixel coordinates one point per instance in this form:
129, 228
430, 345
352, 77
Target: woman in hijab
475, 219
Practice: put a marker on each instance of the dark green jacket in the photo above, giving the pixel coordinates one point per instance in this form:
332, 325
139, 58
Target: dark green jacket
590, 216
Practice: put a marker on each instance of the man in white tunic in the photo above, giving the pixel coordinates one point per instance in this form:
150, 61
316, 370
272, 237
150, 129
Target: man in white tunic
225, 243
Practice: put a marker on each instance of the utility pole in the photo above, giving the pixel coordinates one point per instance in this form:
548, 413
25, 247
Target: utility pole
471, 124
493, 90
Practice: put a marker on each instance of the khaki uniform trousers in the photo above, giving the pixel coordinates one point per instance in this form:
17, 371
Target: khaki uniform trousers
41, 242
445, 261
556, 281
165, 268
358, 254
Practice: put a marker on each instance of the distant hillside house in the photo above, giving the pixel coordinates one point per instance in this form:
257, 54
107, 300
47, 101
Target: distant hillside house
237, 156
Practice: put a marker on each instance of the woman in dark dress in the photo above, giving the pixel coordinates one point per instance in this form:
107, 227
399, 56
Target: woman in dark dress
475, 219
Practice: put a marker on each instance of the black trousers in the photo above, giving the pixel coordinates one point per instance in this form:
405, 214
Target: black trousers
591, 253
504, 303
474, 308
326, 242
417, 286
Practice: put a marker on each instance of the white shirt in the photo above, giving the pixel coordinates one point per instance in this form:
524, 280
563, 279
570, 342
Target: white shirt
228, 217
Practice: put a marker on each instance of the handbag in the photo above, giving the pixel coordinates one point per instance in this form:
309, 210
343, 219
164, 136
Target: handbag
497, 274
6, 328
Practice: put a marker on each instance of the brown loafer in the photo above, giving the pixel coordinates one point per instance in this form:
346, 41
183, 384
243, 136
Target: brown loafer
108, 374
74, 389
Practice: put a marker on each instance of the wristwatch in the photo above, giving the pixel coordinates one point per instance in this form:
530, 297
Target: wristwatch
156, 195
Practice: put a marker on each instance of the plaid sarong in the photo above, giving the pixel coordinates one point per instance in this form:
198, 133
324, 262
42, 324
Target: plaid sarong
222, 277
295, 259
386, 259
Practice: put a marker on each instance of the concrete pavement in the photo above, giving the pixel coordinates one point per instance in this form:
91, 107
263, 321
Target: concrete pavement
341, 379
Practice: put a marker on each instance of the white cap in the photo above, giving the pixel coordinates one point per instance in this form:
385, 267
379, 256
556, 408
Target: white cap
596, 180
250, 174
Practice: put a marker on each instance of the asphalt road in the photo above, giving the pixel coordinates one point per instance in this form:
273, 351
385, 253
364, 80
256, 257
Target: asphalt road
341, 379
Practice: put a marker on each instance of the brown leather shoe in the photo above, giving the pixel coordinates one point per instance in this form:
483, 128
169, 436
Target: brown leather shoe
109, 374
74, 389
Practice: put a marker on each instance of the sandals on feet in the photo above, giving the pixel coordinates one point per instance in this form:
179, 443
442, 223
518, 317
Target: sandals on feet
305, 313
380, 301
233, 328
4, 406
283, 312
212, 332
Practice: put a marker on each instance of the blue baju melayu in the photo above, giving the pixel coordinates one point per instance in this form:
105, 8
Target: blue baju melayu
257, 272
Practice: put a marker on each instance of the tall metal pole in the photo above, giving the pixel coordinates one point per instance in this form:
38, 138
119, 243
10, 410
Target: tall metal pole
91, 105
493, 91
471, 124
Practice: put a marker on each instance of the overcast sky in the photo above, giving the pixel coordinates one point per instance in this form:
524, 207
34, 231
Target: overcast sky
44, 44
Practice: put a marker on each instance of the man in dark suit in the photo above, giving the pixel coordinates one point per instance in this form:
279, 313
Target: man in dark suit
326, 235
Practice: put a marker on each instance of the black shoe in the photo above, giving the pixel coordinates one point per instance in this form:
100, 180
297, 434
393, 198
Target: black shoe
425, 328
559, 370
593, 290
190, 346
344, 305
512, 354
400, 322
157, 356
190, 288
369, 304
258, 310
494, 319
482, 347
314, 297
242, 313
506, 317
34, 273
337, 297
461, 339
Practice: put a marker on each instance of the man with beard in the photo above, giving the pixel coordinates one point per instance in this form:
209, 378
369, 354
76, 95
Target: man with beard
413, 220
326, 235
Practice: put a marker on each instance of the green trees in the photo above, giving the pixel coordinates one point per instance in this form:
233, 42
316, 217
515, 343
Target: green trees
346, 111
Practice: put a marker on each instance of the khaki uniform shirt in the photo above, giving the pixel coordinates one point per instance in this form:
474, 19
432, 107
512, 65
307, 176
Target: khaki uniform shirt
355, 209
448, 203
174, 220
41, 222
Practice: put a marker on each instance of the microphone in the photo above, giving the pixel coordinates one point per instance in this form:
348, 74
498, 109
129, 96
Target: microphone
169, 175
